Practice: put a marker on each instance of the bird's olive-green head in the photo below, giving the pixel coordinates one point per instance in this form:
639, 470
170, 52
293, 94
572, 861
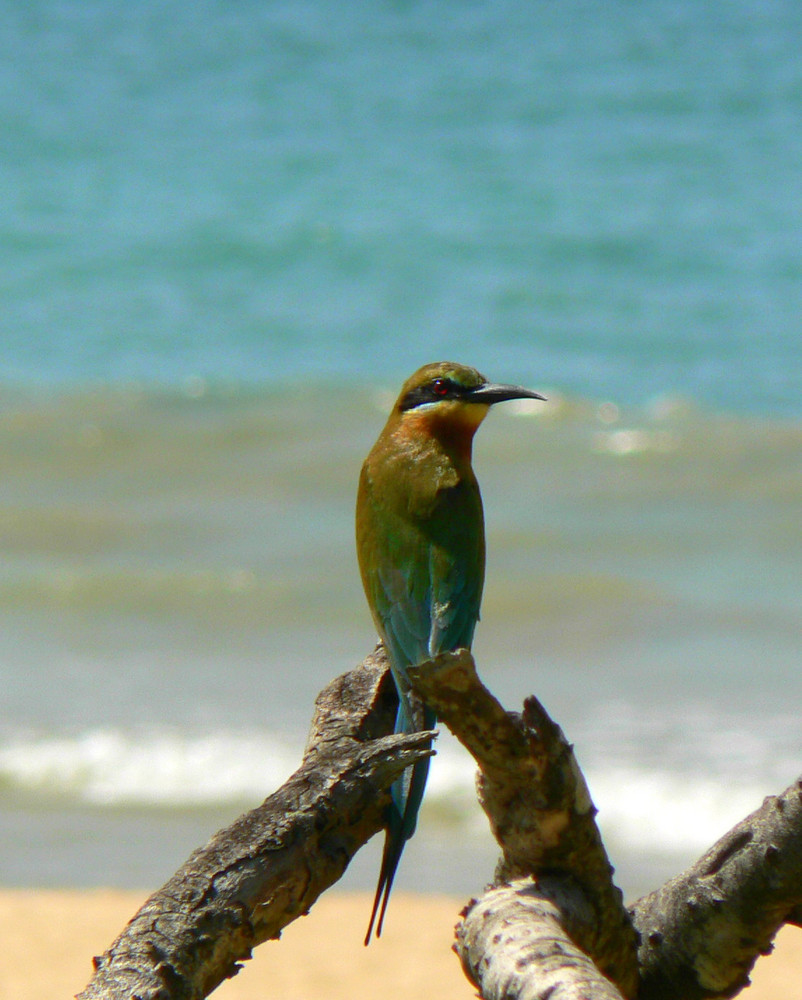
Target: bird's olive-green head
444, 390
446, 402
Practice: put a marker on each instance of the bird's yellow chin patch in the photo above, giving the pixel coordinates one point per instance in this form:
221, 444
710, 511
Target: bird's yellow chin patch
469, 415
453, 414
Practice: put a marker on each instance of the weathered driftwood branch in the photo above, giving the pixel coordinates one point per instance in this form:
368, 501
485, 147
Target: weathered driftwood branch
519, 941
699, 935
269, 867
554, 906
541, 814
702, 932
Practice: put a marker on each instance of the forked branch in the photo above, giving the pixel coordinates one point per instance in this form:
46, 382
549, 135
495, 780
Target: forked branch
695, 938
554, 924
269, 867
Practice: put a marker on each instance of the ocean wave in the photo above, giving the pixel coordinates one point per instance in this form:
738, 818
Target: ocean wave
669, 813
109, 767
640, 809
151, 503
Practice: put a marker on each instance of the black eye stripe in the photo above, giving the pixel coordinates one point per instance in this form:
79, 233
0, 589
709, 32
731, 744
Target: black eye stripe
432, 392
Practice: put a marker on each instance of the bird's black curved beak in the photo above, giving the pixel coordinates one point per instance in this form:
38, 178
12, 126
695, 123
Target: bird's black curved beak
494, 392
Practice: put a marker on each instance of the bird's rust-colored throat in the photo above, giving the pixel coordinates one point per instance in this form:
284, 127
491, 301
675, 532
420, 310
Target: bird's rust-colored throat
452, 424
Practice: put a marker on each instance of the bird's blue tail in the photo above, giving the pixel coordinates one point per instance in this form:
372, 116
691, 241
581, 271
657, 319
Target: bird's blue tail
402, 817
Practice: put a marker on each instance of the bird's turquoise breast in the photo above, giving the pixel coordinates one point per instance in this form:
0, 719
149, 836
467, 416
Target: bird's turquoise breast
420, 541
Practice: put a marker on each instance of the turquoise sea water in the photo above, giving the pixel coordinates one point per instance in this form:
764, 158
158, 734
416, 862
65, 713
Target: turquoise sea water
227, 234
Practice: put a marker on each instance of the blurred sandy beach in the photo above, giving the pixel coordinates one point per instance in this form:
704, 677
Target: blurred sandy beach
48, 938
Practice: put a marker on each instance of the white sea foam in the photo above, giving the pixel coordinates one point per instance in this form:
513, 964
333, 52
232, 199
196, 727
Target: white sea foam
110, 767
640, 808
668, 813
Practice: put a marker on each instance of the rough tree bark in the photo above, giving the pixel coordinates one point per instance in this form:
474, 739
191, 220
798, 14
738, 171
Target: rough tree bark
267, 868
541, 814
553, 923
702, 931
696, 937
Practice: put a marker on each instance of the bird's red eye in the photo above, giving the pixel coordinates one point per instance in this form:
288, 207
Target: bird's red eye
440, 387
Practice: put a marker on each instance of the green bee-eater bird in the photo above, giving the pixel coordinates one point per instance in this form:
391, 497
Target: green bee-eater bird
421, 548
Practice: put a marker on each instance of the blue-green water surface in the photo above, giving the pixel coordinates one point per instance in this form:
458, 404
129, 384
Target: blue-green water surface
227, 233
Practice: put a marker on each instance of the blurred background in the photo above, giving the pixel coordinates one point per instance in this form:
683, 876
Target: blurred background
228, 232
